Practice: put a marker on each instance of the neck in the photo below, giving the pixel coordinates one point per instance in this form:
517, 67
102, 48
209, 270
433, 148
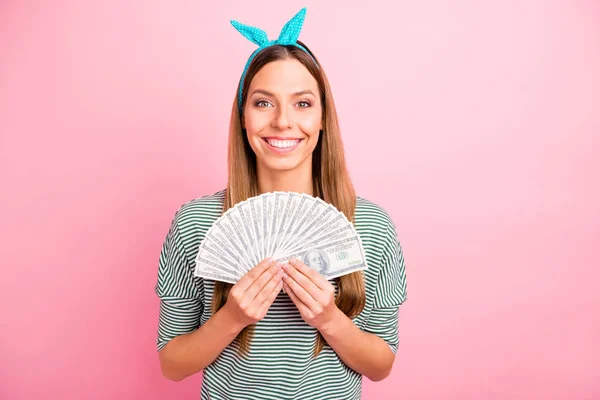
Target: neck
297, 180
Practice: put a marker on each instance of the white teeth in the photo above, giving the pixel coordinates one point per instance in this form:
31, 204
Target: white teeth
282, 144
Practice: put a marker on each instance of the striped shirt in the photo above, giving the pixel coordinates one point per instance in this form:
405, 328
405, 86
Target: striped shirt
280, 363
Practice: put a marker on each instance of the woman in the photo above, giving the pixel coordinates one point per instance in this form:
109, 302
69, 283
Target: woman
315, 338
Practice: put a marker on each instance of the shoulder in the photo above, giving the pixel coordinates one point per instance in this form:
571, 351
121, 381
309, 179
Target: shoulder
372, 216
192, 221
196, 210
377, 231
194, 218
386, 275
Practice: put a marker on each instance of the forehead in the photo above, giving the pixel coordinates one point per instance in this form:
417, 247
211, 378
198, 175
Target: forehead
284, 77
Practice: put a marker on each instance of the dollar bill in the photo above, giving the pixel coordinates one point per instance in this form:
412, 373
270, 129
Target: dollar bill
333, 232
218, 242
308, 221
206, 268
256, 204
215, 276
281, 225
256, 219
225, 256
298, 218
269, 200
247, 228
335, 259
262, 204
317, 224
217, 260
287, 219
227, 226
280, 202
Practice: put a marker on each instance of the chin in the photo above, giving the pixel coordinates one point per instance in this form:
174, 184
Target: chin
282, 165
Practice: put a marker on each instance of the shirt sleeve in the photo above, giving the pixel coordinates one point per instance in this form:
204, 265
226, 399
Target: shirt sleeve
390, 292
180, 294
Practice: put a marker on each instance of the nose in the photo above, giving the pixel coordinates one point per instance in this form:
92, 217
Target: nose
282, 119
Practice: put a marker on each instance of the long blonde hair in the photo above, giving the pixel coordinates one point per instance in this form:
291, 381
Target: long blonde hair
331, 181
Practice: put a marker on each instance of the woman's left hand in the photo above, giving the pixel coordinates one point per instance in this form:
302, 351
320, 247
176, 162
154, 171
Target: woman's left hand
313, 295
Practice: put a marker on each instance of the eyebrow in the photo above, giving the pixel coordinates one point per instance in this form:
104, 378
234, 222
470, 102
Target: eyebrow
296, 94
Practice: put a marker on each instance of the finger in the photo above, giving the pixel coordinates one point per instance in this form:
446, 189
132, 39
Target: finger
264, 307
310, 273
265, 292
299, 290
262, 281
274, 293
303, 308
307, 284
244, 283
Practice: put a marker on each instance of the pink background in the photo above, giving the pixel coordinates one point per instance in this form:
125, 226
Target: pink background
477, 126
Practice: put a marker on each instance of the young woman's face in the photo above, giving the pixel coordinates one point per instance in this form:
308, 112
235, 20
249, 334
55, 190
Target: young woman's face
282, 115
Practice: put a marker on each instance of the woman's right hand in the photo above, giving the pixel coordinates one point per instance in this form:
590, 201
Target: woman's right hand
250, 298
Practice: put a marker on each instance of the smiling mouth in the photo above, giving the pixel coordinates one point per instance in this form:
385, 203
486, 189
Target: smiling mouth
282, 144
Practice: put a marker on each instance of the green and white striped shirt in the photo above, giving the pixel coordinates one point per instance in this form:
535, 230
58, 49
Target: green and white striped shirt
280, 364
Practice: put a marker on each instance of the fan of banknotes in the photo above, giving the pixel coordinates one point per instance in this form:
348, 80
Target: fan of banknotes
280, 225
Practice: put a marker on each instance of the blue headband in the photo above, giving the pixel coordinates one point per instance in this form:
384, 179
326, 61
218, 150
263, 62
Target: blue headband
288, 36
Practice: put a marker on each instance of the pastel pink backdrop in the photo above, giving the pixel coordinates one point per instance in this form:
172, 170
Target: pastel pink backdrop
475, 124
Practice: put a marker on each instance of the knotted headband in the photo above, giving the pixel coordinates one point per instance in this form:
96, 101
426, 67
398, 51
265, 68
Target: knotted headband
288, 36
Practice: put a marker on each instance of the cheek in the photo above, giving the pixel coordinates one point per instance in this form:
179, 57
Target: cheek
255, 123
311, 124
